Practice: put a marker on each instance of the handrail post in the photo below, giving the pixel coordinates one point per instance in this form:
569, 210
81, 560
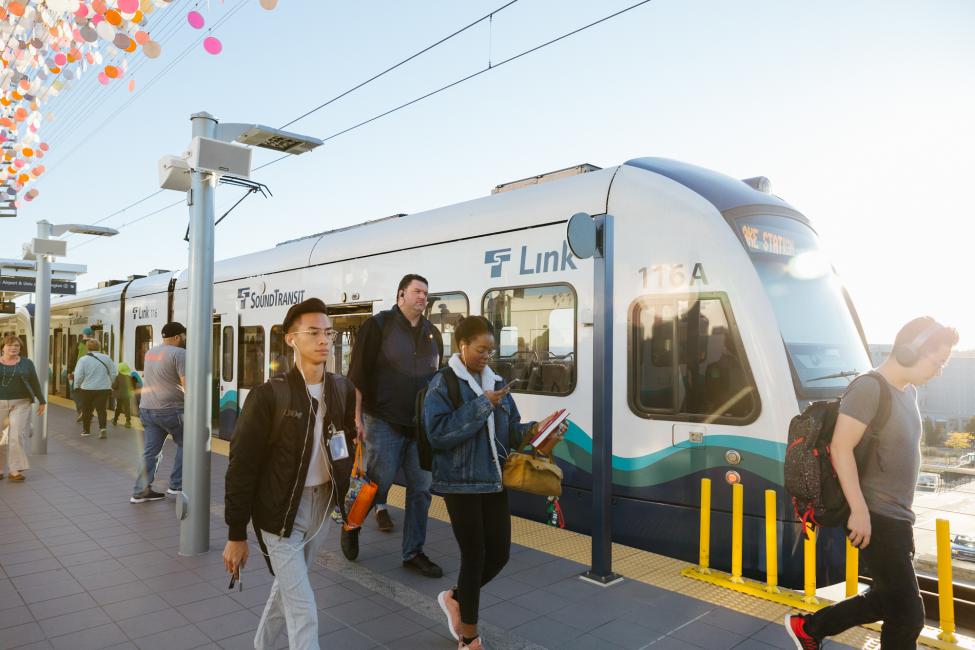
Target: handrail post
771, 545
737, 521
705, 545
946, 598
852, 569
809, 568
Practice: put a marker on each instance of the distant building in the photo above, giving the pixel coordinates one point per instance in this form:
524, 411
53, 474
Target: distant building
949, 398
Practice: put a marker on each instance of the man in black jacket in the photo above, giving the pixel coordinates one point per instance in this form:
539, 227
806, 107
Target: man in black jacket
396, 353
289, 466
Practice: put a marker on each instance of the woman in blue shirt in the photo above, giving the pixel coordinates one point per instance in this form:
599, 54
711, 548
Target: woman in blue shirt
471, 443
18, 388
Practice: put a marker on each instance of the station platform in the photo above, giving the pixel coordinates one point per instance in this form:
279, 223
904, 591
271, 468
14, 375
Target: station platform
82, 568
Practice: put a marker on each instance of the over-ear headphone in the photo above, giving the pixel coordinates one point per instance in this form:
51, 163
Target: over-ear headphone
908, 354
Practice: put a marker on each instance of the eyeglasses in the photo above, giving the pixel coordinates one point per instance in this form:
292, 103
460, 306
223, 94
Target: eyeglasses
317, 333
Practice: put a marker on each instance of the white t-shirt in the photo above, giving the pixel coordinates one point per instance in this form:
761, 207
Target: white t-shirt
318, 469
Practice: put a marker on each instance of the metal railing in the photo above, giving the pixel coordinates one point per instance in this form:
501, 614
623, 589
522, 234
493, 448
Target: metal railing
807, 600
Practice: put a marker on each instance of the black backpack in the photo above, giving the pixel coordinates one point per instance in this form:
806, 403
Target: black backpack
810, 479
423, 448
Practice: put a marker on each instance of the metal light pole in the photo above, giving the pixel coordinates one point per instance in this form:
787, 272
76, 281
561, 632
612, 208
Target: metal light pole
593, 237
194, 512
42, 325
210, 158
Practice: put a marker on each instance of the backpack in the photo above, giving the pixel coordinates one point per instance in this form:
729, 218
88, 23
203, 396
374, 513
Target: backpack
282, 400
810, 479
423, 448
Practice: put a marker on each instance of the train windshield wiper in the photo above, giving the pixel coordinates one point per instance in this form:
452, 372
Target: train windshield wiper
836, 375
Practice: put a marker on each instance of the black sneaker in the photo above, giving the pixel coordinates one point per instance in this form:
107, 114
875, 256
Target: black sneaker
146, 495
384, 521
85, 434
350, 543
422, 563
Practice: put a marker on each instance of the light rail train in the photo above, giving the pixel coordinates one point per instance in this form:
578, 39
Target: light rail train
727, 319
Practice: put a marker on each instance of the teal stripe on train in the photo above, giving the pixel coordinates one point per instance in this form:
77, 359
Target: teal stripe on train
761, 457
228, 400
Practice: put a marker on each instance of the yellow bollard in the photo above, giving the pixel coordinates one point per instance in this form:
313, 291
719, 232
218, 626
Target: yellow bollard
737, 519
946, 597
771, 545
810, 566
705, 560
852, 569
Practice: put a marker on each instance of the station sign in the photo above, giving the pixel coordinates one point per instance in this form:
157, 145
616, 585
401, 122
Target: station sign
27, 285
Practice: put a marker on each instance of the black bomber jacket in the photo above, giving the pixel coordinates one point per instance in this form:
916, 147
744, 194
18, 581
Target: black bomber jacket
267, 469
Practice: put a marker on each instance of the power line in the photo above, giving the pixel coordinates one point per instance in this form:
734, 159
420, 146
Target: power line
151, 83
488, 68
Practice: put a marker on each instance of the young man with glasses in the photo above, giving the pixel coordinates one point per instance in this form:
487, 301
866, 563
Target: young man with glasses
396, 353
879, 486
290, 460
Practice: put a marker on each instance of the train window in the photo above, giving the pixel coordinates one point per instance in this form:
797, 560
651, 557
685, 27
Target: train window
251, 360
535, 331
445, 310
227, 345
111, 344
280, 352
143, 341
687, 362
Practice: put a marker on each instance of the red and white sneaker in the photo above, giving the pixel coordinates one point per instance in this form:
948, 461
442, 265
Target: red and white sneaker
795, 625
451, 609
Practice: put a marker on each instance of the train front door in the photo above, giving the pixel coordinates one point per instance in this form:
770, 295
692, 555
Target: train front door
224, 374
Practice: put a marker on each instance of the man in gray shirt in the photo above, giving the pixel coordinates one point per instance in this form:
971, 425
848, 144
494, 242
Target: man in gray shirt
161, 411
880, 491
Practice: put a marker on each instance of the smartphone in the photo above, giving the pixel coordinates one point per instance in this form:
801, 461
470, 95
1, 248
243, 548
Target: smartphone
511, 384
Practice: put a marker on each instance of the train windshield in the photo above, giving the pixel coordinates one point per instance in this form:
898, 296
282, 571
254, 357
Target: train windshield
814, 317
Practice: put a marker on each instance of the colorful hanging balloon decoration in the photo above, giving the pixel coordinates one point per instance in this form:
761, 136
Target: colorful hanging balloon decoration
47, 46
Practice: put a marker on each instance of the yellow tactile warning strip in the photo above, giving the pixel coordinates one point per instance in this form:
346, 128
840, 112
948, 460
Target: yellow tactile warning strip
217, 445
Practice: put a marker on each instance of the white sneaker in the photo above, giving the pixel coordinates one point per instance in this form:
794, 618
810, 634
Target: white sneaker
172, 491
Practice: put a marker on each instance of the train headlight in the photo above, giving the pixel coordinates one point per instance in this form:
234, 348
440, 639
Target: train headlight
732, 477
732, 457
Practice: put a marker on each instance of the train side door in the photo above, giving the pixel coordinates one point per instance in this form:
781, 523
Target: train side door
346, 320
224, 373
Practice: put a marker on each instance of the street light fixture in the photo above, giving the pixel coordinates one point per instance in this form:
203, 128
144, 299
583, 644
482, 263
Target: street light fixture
43, 248
213, 158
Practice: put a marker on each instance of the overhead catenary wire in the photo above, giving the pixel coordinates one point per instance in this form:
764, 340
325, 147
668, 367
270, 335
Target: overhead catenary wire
182, 55
427, 95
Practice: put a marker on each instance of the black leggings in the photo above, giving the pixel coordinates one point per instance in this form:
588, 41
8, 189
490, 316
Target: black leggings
482, 526
94, 400
894, 597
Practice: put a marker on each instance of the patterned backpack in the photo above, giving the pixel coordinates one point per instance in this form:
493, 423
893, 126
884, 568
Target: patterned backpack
809, 475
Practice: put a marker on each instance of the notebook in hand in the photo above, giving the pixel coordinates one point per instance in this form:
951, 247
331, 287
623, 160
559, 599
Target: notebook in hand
548, 426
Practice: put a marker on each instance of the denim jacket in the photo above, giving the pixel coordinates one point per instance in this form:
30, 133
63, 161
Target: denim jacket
463, 461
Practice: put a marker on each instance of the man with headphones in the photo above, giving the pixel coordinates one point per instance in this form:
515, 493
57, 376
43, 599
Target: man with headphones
879, 488
290, 460
396, 354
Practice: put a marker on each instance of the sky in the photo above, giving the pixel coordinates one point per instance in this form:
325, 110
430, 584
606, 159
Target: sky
861, 114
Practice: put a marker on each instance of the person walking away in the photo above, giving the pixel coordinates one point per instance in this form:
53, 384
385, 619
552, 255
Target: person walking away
396, 353
879, 488
81, 351
19, 387
290, 461
470, 444
161, 411
136, 389
93, 378
122, 389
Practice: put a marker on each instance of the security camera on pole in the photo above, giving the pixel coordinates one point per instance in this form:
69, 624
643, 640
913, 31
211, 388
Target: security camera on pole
210, 158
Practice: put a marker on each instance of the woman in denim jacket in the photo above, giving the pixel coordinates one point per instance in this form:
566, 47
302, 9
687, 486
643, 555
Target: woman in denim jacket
470, 445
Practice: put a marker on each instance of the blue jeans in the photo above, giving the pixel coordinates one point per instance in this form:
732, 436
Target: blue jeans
387, 451
157, 424
291, 603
